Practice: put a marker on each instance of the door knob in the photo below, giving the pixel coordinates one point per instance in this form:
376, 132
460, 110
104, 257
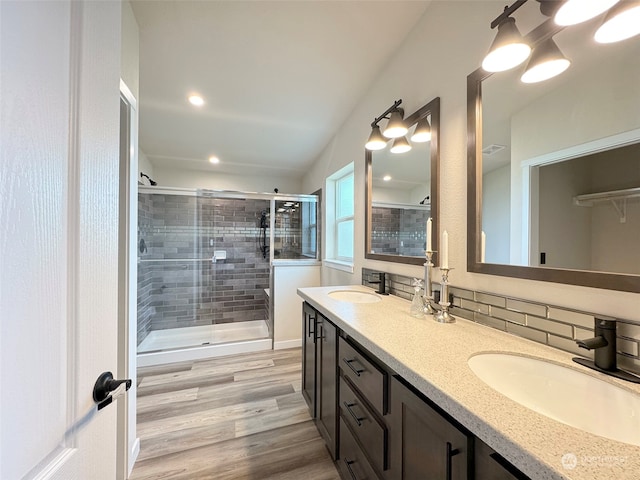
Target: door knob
104, 386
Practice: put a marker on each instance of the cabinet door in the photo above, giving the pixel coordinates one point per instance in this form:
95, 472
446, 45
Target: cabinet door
327, 383
423, 444
309, 320
490, 465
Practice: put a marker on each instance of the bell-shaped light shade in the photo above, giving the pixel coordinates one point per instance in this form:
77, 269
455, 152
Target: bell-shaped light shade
573, 12
508, 49
396, 127
622, 22
376, 140
400, 145
422, 133
546, 62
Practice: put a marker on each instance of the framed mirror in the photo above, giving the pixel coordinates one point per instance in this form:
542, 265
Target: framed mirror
554, 167
401, 194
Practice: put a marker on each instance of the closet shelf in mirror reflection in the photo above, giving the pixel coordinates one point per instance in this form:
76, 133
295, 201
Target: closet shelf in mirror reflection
617, 198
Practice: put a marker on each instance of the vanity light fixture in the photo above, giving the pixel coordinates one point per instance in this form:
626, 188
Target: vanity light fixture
620, 23
508, 49
573, 12
400, 145
546, 62
376, 140
422, 133
395, 127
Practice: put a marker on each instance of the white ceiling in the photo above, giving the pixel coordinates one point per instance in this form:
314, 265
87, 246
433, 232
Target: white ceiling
278, 77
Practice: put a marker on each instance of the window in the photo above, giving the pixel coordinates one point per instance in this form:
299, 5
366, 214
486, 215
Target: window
340, 222
344, 218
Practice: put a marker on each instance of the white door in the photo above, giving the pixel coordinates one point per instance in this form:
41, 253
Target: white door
59, 93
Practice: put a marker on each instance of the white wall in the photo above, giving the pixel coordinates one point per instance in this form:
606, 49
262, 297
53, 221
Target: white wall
169, 177
496, 213
287, 305
145, 166
447, 44
130, 50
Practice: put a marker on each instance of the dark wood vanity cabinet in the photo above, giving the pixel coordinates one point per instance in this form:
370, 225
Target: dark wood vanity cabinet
423, 443
492, 466
378, 427
309, 319
319, 374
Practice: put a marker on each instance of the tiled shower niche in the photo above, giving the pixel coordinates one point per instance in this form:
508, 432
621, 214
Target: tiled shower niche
180, 283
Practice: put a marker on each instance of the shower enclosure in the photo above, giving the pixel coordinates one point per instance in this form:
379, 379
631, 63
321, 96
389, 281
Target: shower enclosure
204, 265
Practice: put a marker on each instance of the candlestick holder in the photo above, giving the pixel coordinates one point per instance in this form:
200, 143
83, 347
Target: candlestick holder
443, 316
428, 292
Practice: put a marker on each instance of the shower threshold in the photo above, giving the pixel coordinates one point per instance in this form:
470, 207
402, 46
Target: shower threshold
192, 343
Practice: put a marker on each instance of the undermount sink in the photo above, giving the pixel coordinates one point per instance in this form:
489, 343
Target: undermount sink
563, 394
354, 296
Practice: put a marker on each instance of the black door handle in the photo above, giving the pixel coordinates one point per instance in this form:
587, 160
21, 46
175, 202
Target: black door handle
104, 386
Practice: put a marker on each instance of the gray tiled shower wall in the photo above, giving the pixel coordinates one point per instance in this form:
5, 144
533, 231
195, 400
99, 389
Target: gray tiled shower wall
178, 284
543, 323
398, 231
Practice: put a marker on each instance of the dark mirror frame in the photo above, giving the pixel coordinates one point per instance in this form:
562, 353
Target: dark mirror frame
432, 108
609, 281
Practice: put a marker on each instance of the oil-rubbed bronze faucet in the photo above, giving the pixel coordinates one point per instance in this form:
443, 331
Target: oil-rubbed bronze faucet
382, 281
604, 347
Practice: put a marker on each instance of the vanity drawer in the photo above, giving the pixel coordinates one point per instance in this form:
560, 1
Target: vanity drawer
353, 463
371, 435
370, 380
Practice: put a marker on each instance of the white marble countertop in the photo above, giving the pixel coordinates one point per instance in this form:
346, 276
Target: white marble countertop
433, 358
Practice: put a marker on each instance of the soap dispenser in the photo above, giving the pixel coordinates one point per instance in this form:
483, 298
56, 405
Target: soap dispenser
417, 304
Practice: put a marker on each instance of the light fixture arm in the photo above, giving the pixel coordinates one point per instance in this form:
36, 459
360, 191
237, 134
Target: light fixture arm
507, 12
389, 110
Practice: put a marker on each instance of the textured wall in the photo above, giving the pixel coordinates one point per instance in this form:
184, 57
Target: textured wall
435, 60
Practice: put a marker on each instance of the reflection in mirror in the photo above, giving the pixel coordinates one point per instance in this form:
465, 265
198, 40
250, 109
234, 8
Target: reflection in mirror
557, 187
401, 195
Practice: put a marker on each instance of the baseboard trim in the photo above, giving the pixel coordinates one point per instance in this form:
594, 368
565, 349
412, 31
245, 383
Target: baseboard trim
284, 344
133, 456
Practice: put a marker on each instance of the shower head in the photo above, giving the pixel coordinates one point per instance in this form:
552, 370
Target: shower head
153, 184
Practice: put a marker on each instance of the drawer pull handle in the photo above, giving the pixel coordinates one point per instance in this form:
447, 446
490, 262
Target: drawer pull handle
450, 453
311, 333
348, 464
352, 413
355, 370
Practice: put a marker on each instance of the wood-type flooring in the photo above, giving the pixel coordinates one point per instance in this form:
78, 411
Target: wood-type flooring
229, 418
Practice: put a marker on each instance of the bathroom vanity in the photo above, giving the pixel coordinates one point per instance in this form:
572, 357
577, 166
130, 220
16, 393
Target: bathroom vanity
394, 398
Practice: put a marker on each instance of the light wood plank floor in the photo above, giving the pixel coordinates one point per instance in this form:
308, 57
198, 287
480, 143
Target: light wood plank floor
229, 418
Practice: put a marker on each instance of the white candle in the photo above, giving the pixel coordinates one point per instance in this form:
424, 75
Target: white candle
429, 227
444, 250
483, 242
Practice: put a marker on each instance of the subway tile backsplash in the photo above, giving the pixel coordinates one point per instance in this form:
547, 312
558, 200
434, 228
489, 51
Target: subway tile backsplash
547, 324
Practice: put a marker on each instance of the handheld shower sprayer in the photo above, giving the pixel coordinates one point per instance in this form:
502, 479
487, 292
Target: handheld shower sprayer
151, 182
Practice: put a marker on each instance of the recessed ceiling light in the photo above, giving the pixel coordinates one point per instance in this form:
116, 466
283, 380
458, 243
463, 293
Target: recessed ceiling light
386, 178
196, 100
214, 159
